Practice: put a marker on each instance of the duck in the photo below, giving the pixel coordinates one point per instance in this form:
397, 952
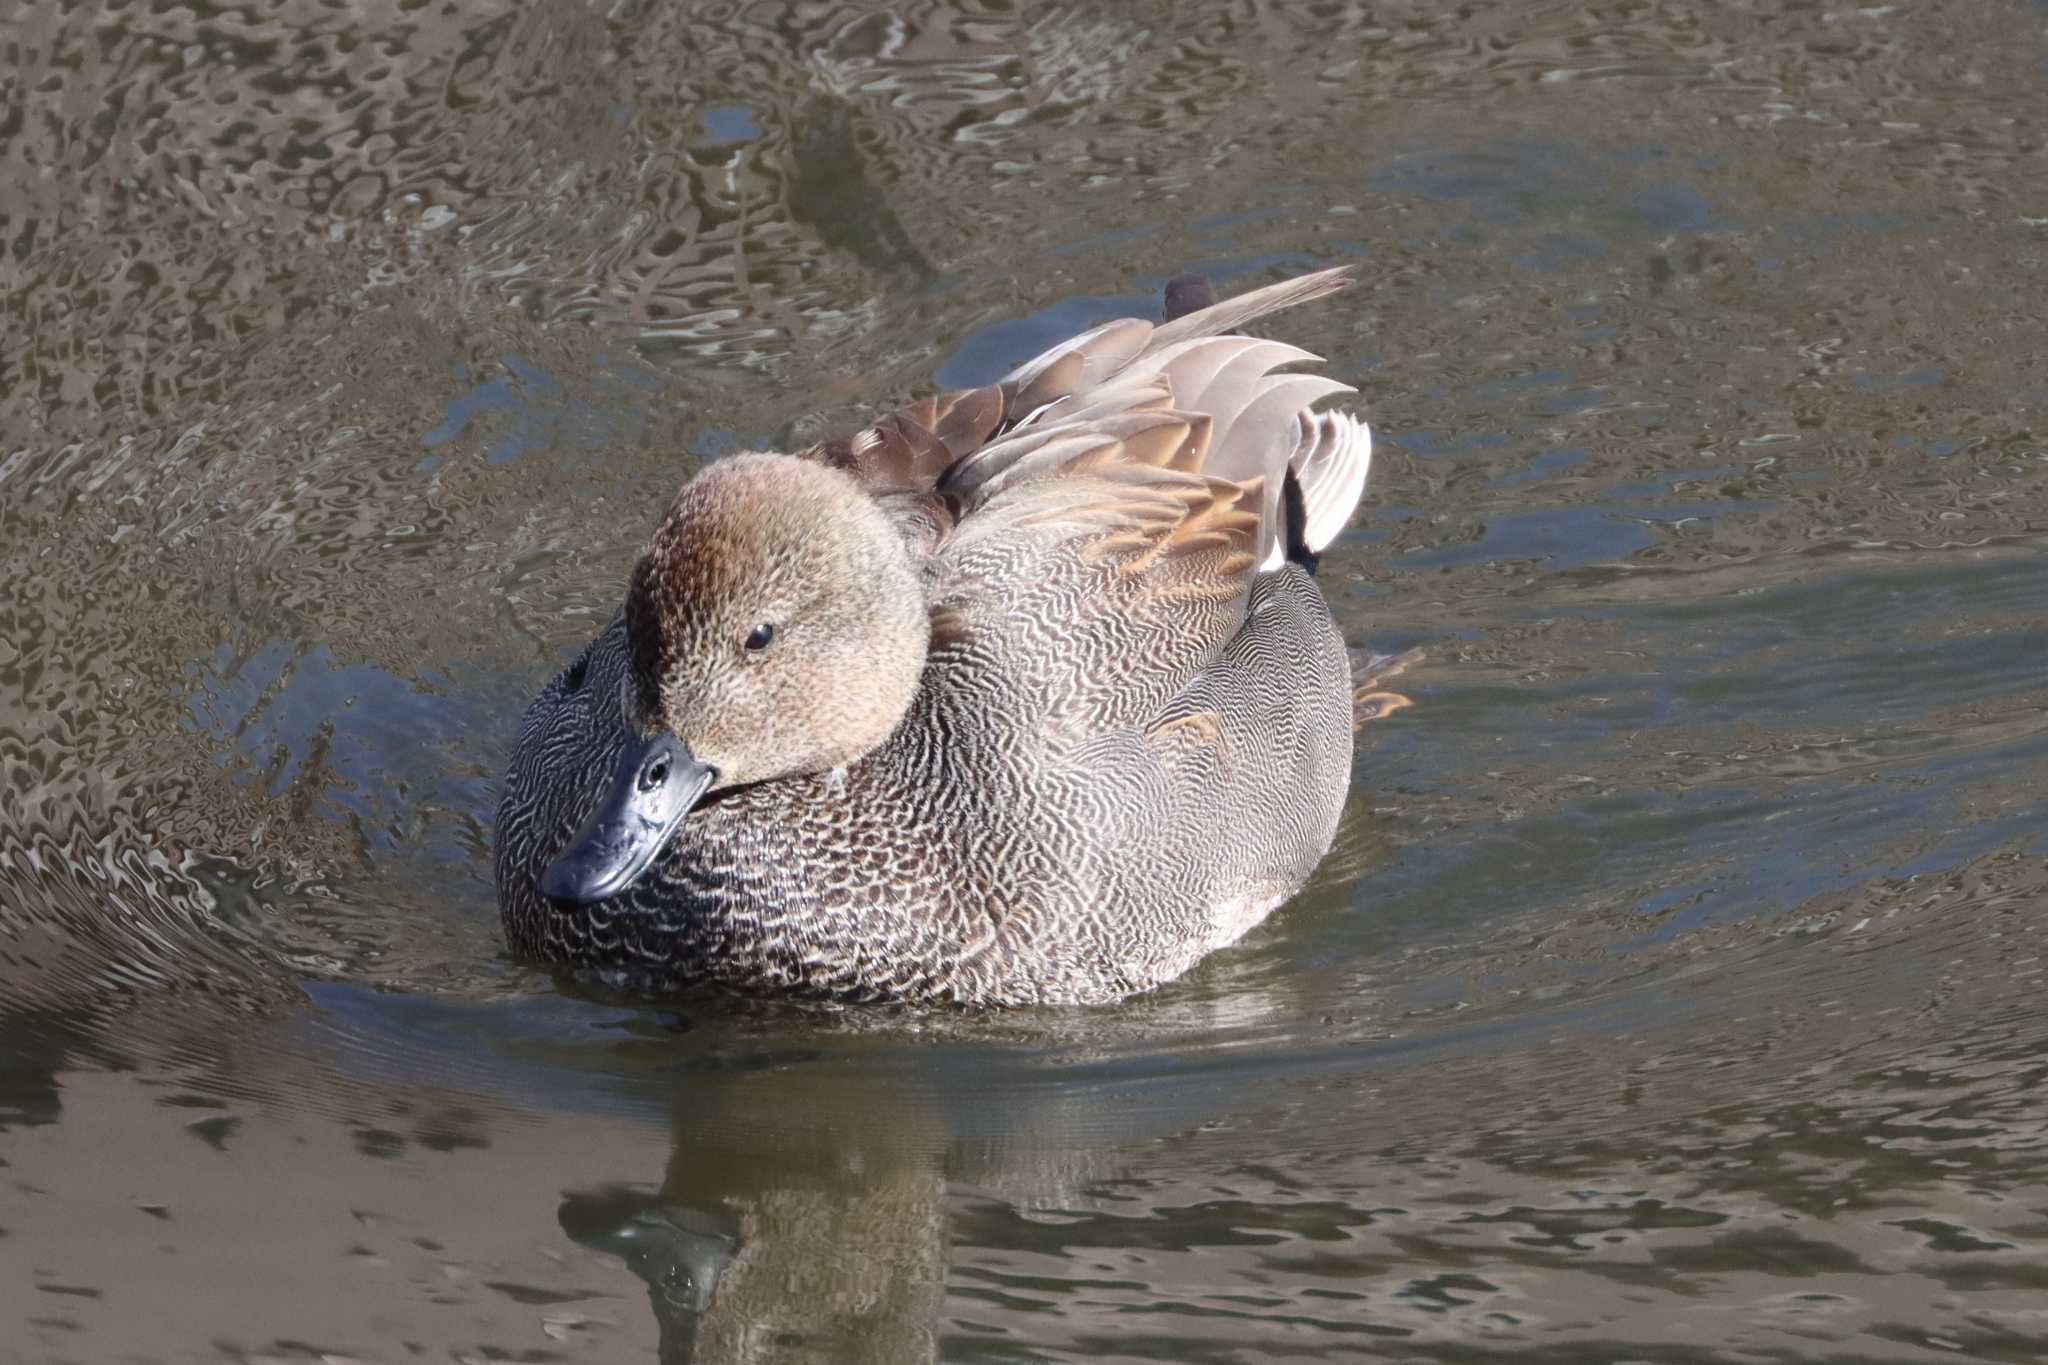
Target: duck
1025, 694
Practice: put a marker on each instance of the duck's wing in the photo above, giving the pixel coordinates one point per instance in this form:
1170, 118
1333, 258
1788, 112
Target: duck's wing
1249, 423
1105, 544
1250, 417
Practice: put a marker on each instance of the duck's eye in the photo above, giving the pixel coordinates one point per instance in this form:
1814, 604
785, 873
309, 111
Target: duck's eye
760, 637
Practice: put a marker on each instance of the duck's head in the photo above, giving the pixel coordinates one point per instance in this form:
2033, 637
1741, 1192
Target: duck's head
777, 627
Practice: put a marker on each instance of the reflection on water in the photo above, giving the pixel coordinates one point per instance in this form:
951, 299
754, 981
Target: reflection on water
1674, 988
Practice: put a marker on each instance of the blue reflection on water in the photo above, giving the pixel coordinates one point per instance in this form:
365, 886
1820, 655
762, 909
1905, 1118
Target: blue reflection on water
383, 752
534, 412
729, 123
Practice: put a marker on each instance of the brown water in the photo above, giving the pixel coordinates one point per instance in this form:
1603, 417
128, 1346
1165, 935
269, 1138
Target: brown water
1674, 991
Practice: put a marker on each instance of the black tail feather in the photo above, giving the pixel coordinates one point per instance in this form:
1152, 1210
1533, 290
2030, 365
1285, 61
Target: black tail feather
1295, 509
1187, 294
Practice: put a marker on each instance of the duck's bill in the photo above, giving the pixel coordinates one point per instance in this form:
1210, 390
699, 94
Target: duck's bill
657, 783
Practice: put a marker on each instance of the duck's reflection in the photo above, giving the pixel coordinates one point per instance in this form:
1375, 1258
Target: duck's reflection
679, 1250
807, 1209
825, 1241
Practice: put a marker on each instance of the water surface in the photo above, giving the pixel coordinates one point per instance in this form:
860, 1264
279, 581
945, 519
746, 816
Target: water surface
1674, 990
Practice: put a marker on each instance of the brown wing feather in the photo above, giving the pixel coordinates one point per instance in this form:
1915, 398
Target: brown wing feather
1122, 367
910, 449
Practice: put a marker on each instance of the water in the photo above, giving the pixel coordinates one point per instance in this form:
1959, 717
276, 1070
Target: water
1673, 991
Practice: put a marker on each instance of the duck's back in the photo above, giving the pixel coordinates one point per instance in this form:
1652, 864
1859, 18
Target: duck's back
1133, 735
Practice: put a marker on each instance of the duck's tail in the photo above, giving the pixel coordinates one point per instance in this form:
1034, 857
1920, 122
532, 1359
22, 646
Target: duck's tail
1331, 452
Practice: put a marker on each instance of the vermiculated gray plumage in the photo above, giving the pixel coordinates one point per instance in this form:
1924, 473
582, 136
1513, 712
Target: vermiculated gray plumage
1130, 739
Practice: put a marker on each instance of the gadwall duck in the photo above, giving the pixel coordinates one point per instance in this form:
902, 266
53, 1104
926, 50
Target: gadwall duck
1024, 694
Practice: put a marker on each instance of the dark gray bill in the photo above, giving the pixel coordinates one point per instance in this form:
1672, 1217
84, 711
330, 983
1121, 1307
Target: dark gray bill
657, 782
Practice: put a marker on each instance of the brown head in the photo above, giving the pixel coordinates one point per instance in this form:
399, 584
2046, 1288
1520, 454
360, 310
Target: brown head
777, 627
777, 623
